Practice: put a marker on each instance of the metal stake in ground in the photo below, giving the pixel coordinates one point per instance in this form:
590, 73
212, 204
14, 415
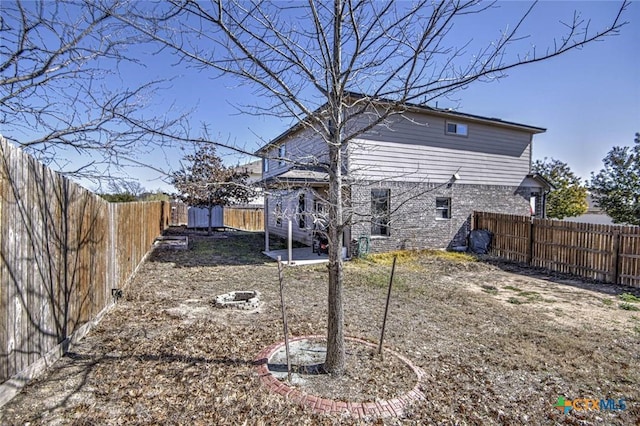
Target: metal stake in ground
284, 319
386, 308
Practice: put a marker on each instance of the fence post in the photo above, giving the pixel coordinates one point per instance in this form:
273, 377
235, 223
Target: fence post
616, 256
530, 248
162, 218
112, 257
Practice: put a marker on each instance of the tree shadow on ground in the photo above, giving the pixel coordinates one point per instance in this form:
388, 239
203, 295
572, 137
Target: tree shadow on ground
559, 277
225, 247
80, 367
54, 279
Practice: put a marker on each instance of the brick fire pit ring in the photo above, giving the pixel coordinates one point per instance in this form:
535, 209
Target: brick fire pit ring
378, 409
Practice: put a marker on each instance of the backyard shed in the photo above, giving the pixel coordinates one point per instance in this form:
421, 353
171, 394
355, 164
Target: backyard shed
199, 217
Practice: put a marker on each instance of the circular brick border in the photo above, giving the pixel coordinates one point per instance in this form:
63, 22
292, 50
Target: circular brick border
381, 408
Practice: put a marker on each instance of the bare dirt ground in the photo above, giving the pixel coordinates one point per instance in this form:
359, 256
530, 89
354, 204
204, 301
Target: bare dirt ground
497, 347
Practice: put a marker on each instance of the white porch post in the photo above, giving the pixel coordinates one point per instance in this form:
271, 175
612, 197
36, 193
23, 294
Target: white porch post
266, 223
289, 242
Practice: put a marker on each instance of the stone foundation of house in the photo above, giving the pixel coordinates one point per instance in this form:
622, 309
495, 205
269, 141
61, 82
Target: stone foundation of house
413, 212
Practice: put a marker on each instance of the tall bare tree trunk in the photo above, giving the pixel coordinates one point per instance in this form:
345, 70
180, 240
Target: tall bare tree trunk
397, 53
335, 361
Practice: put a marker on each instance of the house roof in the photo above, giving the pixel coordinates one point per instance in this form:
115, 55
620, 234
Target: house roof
299, 175
542, 181
253, 168
447, 113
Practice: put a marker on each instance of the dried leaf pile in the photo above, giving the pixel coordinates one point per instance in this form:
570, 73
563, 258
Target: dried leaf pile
497, 347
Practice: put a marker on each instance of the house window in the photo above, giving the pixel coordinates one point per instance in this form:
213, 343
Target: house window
320, 215
282, 152
278, 213
380, 214
265, 165
302, 216
443, 208
457, 129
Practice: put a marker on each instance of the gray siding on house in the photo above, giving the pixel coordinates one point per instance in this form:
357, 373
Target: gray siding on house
419, 150
289, 211
414, 157
413, 220
302, 148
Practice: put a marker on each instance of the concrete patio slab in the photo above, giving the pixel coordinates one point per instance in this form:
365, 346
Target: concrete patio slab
299, 256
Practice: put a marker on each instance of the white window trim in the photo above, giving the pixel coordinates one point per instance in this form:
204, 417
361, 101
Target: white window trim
456, 133
388, 213
282, 153
439, 209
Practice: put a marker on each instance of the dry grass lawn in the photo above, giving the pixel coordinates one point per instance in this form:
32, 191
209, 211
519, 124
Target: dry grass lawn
497, 347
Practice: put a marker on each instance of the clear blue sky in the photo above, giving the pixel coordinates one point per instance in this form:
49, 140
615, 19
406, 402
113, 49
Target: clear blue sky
588, 100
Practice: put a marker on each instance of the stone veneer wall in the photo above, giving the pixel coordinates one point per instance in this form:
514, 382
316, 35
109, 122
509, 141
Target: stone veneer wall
413, 218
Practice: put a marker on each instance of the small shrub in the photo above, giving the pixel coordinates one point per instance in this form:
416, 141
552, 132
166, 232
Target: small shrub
515, 301
628, 307
531, 296
512, 288
490, 289
607, 302
629, 298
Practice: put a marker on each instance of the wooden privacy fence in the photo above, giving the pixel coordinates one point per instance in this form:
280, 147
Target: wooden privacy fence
245, 218
609, 253
62, 251
179, 214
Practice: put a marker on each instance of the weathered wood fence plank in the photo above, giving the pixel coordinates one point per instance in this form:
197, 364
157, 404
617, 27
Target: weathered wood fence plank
179, 214
245, 218
62, 250
608, 253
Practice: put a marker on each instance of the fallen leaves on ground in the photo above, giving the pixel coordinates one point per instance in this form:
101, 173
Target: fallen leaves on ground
165, 355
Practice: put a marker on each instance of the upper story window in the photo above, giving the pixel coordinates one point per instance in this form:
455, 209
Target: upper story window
282, 153
265, 165
457, 129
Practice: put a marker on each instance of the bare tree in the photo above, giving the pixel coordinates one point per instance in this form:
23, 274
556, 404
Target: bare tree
308, 59
60, 91
120, 190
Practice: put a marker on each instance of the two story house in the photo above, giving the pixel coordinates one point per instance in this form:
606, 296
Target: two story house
412, 181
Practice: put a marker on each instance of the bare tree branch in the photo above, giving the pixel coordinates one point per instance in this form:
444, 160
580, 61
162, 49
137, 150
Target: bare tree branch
60, 89
342, 69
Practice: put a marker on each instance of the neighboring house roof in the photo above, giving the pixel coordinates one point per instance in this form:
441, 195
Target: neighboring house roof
409, 107
592, 206
594, 214
254, 169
